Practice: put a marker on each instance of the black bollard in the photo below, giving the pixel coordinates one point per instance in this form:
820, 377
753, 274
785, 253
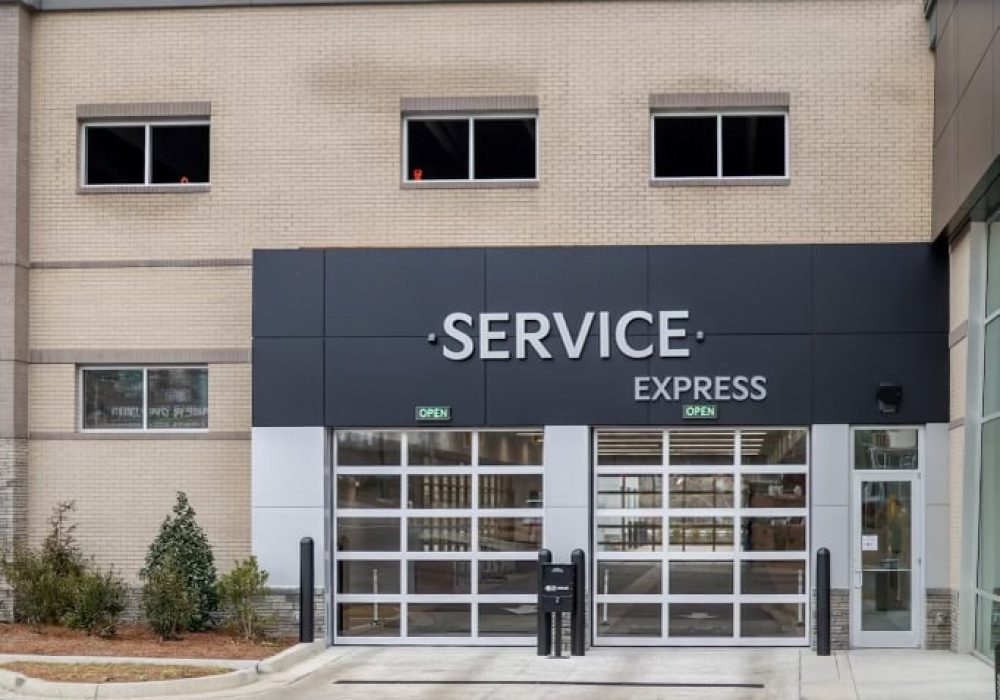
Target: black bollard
823, 602
544, 631
306, 593
579, 616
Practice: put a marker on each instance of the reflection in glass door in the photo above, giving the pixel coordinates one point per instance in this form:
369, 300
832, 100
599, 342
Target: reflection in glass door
885, 551
436, 536
700, 537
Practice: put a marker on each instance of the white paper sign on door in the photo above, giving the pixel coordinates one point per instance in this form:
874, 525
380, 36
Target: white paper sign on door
869, 543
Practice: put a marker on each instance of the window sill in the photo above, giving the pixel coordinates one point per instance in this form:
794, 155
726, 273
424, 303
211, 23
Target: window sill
723, 182
142, 189
139, 435
469, 185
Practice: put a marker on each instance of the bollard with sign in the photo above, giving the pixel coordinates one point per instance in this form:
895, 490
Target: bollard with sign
558, 596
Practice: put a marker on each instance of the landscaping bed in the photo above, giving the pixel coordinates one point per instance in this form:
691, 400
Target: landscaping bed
109, 673
134, 640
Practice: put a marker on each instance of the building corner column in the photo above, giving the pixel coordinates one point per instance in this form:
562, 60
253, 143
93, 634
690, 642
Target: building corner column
15, 85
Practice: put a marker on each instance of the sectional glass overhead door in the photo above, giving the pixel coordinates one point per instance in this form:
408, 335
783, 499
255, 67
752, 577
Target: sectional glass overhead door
436, 536
701, 537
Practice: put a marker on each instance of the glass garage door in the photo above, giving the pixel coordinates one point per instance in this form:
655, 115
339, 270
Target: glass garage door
436, 536
700, 537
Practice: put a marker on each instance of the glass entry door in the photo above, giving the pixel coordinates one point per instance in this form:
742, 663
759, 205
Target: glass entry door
886, 561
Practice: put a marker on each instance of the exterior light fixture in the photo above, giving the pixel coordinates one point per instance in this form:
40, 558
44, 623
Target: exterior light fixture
889, 396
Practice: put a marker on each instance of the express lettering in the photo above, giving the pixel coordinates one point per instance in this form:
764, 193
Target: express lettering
701, 388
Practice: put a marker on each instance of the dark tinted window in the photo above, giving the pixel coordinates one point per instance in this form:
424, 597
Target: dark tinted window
115, 155
180, 154
684, 147
112, 398
504, 149
753, 146
437, 149
178, 398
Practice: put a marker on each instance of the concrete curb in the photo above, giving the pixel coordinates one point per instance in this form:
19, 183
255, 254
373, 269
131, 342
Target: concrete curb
284, 660
145, 660
18, 683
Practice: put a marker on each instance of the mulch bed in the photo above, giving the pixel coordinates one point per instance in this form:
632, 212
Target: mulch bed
134, 640
109, 673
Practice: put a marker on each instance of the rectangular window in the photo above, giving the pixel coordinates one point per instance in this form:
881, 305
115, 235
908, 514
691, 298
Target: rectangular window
891, 448
481, 148
145, 153
144, 398
715, 146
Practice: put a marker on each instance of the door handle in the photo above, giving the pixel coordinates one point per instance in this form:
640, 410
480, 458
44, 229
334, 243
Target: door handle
857, 579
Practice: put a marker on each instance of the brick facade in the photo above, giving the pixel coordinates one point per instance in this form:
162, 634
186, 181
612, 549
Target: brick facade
305, 110
305, 151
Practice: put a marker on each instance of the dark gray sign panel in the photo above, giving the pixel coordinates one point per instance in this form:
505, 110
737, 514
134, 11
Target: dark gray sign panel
627, 335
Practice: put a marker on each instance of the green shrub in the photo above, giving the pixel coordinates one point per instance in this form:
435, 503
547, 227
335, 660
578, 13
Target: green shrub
240, 590
181, 540
44, 581
40, 596
166, 600
98, 604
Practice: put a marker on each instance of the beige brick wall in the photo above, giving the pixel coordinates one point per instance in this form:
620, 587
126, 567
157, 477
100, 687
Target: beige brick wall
140, 307
306, 124
958, 296
52, 398
124, 488
305, 151
956, 390
960, 261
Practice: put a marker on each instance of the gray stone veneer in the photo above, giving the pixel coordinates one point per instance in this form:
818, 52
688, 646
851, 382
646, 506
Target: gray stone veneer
840, 619
937, 617
941, 607
281, 606
954, 621
280, 609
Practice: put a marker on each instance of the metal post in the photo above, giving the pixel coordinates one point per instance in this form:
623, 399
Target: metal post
996, 669
306, 593
823, 602
544, 630
577, 643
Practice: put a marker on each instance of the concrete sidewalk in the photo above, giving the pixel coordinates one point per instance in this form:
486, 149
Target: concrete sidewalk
877, 674
446, 673
363, 673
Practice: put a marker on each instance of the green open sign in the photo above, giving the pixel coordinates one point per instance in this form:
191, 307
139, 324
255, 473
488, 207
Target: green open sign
433, 413
700, 411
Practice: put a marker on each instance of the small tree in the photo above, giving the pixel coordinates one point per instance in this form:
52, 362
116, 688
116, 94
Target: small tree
183, 543
240, 590
60, 550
